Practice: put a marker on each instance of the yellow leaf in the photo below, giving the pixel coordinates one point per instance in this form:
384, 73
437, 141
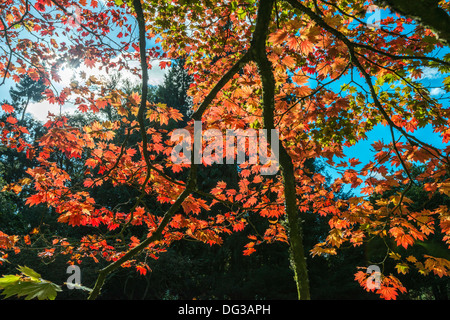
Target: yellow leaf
395, 256
402, 268
445, 188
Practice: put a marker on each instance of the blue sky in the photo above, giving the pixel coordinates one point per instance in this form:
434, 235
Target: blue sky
363, 150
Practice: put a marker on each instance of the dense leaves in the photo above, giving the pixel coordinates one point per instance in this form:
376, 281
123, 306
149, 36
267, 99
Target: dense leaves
319, 72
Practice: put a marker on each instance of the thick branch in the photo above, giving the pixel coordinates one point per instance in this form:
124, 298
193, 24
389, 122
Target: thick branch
259, 54
190, 187
426, 12
154, 237
192, 180
222, 82
351, 47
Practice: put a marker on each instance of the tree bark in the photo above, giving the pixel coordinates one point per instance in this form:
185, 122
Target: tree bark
425, 12
294, 221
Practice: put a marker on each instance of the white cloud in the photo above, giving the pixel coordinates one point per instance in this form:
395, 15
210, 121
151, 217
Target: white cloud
377, 176
430, 73
156, 74
437, 91
40, 110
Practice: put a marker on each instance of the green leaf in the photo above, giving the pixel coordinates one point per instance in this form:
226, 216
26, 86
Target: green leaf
241, 13
43, 290
28, 285
447, 82
395, 256
402, 268
8, 280
29, 272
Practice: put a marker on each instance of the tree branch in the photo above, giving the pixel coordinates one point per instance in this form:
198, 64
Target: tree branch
426, 12
351, 47
192, 179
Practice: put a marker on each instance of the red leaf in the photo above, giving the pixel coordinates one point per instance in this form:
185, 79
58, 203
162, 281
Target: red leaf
141, 269
163, 64
34, 200
89, 63
7, 108
34, 75
102, 103
11, 120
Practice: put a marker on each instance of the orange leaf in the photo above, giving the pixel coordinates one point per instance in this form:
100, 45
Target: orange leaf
11, 120
7, 108
278, 37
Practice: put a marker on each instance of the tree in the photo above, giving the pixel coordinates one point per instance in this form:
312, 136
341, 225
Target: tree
173, 91
15, 215
314, 74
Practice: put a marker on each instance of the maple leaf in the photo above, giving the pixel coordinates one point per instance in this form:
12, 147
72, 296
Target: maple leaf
388, 293
289, 61
11, 120
278, 37
163, 64
175, 114
176, 168
221, 184
27, 240
306, 47
89, 63
135, 98
92, 163
102, 103
293, 43
252, 201
239, 225
300, 80
34, 75
7, 108
158, 147
354, 162
250, 248
402, 268
142, 269
163, 119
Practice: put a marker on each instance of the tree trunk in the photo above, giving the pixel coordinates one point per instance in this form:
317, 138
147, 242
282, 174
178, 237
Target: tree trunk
259, 55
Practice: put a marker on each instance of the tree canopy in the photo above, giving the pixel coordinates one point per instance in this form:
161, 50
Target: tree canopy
313, 79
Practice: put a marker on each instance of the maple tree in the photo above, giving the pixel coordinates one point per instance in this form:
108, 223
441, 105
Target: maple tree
314, 70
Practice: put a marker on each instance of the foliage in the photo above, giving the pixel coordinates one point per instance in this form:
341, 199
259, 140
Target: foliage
28, 284
316, 71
